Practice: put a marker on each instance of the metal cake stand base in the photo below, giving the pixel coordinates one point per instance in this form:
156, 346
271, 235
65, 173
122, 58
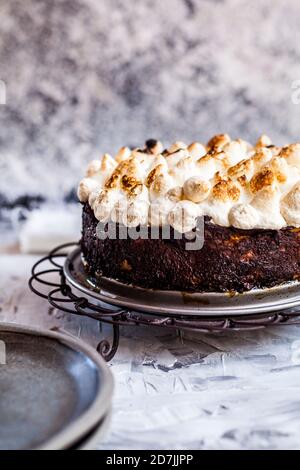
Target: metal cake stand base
63, 297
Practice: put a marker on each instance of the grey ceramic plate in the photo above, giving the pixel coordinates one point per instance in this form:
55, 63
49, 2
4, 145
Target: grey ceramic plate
94, 438
174, 302
54, 389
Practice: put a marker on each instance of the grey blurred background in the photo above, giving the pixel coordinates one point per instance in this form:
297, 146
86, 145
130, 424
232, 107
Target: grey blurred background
87, 76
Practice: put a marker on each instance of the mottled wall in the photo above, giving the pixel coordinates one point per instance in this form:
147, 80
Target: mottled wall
85, 76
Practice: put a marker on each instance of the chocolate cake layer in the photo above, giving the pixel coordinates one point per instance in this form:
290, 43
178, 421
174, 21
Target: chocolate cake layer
230, 260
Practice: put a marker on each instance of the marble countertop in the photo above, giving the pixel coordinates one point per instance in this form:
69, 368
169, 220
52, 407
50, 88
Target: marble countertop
233, 390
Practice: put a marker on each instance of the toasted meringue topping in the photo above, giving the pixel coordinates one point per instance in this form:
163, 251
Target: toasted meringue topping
226, 191
263, 141
197, 150
218, 142
136, 214
123, 154
261, 157
196, 189
86, 187
154, 146
94, 167
292, 154
175, 194
266, 177
154, 173
176, 146
290, 207
161, 185
243, 168
183, 217
104, 204
228, 180
243, 216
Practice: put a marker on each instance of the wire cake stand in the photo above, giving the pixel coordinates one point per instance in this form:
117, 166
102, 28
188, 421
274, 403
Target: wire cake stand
71, 296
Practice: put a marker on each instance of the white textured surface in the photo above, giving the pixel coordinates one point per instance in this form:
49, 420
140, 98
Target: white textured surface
226, 391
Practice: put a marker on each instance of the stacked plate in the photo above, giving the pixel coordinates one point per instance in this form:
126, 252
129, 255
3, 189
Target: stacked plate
56, 392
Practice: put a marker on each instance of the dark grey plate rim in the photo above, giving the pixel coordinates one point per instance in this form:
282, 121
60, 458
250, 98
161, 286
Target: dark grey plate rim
174, 302
96, 435
102, 402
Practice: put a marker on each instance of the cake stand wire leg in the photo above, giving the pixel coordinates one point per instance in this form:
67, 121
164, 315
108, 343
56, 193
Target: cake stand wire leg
180, 335
108, 350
